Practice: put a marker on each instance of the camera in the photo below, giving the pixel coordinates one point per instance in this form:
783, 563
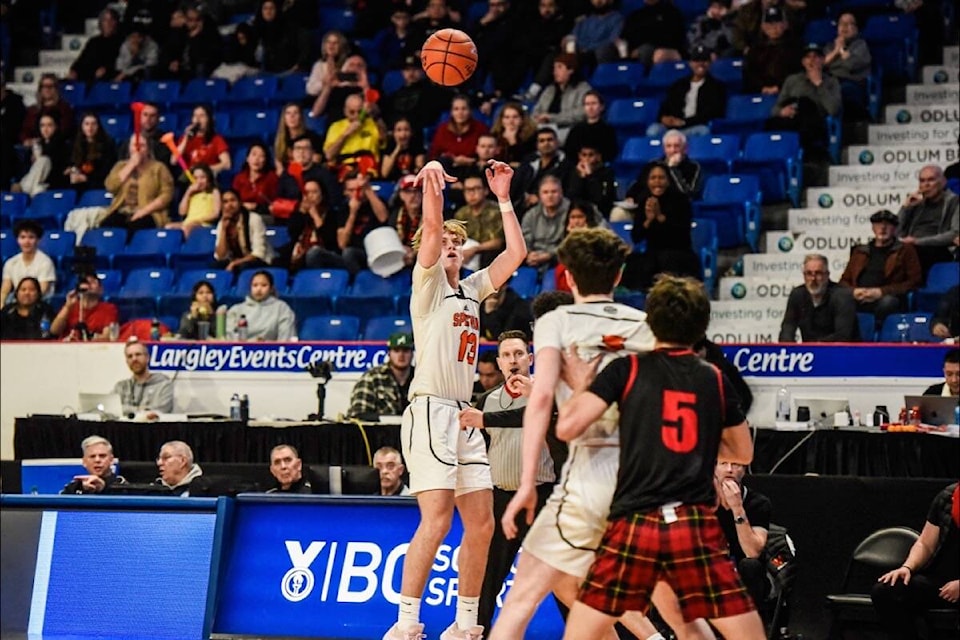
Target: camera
348, 76
322, 370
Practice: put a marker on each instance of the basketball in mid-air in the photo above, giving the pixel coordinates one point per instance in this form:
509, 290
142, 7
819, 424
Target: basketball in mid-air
449, 57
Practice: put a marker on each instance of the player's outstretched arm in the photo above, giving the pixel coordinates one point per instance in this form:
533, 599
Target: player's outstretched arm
578, 413
433, 180
499, 176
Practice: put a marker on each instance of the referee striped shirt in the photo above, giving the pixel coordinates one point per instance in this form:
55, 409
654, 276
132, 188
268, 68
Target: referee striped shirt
505, 451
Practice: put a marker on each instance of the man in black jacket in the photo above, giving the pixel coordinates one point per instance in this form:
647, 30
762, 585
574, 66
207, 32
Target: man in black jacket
98, 461
691, 103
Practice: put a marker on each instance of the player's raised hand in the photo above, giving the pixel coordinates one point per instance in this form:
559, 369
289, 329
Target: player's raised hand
499, 175
578, 373
524, 500
433, 177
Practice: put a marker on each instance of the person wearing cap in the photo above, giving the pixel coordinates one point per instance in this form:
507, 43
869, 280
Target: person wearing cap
29, 262
419, 100
560, 103
747, 21
884, 271
692, 102
382, 390
407, 215
772, 57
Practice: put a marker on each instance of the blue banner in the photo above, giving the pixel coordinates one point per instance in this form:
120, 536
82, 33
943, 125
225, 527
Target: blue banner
836, 361
334, 570
264, 357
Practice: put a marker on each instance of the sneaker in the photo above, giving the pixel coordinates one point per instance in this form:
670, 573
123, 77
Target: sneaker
454, 632
412, 633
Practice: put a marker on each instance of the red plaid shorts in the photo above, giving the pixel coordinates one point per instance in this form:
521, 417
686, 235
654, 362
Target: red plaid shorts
691, 555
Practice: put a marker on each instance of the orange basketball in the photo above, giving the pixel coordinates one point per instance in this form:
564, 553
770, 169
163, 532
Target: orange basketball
449, 57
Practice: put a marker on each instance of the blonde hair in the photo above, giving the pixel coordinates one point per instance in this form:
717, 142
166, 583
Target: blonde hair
456, 227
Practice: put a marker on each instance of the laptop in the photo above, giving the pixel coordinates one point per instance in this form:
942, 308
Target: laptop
934, 410
107, 405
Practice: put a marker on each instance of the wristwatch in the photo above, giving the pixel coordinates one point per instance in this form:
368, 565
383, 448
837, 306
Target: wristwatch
739, 519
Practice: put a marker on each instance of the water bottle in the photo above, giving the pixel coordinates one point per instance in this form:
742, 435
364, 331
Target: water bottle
242, 328
235, 407
155, 329
45, 327
221, 324
783, 405
244, 408
903, 329
881, 415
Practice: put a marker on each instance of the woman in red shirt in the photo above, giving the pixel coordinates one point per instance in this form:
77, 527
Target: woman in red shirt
257, 183
455, 142
202, 144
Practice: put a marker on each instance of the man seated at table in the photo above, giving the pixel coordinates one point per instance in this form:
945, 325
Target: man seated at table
951, 377
823, 311
144, 391
177, 468
382, 390
388, 462
287, 468
98, 461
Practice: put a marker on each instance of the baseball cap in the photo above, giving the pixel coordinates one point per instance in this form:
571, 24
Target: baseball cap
773, 14
400, 340
700, 53
408, 181
812, 47
411, 61
885, 215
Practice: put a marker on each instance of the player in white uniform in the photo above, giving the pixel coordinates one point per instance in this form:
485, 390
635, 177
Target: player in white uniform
560, 546
449, 467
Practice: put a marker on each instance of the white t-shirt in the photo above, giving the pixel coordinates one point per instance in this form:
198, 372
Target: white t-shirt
42, 268
690, 104
446, 332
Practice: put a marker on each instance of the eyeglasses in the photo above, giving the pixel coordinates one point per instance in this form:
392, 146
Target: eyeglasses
814, 274
303, 147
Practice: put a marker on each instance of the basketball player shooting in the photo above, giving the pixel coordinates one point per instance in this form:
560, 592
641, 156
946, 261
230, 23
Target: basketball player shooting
449, 467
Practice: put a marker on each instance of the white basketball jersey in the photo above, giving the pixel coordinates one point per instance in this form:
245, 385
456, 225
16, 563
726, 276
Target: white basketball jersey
607, 328
446, 332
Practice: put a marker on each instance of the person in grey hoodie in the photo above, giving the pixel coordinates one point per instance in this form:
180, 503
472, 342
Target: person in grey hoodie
267, 316
145, 390
177, 468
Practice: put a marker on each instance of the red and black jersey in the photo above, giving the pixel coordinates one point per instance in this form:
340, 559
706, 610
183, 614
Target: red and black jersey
673, 408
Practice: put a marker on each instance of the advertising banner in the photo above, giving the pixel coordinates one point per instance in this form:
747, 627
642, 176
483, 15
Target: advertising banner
790, 265
908, 114
940, 74
823, 360
738, 288
877, 175
844, 198
926, 95
939, 154
823, 220
825, 239
913, 133
353, 357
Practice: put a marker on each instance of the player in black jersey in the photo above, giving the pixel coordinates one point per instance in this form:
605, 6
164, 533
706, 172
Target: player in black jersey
677, 413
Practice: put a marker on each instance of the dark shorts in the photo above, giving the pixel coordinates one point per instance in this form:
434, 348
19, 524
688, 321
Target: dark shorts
690, 555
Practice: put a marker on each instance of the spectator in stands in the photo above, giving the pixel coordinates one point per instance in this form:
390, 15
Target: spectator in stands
951, 376
692, 102
712, 353
12, 112
775, 55
239, 55
544, 224
748, 30
582, 215
200, 205
365, 212
99, 55
404, 153
847, 59
393, 43
928, 577
284, 46
313, 232
177, 468
257, 184
420, 101
504, 310
354, 140
483, 222
151, 132
203, 306
202, 143
884, 271
49, 157
94, 154
803, 104
200, 51
29, 262
930, 219
388, 462
455, 141
268, 317
496, 35
436, 16
145, 391
406, 217
684, 173
382, 390
98, 461
713, 30
350, 79
86, 299
549, 160
487, 149
594, 37
592, 179
663, 220
142, 190
241, 237
821, 310
24, 318
291, 126
287, 469
48, 102
946, 321
138, 57
302, 168
560, 103
593, 129
515, 132
540, 44
333, 54
655, 33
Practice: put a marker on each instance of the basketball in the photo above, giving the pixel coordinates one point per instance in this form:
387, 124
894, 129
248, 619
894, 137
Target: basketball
449, 57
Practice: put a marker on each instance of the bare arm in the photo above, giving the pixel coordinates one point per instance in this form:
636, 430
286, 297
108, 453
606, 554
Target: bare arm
433, 180
578, 413
736, 444
920, 554
499, 176
5, 290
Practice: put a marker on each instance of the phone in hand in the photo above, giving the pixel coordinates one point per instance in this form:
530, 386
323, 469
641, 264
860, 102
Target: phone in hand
348, 76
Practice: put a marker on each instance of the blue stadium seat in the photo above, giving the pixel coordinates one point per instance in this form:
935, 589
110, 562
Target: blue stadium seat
173, 305
203, 91
525, 281
110, 279
868, 326
906, 327
367, 283
733, 203
714, 152
893, 44
147, 283
8, 244
392, 81
384, 189
149, 248
196, 252
107, 95
341, 19
691, 9
95, 198
623, 229
51, 206
278, 236
58, 244
745, 114
631, 117
729, 71
75, 93
776, 159
280, 277
941, 277
253, 124
380, 329
293, 88
169, 121
617, 79
662, 75
257, 90
221, 279
320, 282
365, 306
332, 328
161, 92
13, 205
318, 124
548, 281
821, 31
636, 152
118, 126
703, 233
107, 241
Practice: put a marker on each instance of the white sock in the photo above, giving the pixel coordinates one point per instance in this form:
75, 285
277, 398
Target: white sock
656, 636
409, 612
467, 609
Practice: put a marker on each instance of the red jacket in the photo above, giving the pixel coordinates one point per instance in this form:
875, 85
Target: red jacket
901, 271
447, 143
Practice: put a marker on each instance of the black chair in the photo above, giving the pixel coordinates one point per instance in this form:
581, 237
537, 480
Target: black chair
881, 551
